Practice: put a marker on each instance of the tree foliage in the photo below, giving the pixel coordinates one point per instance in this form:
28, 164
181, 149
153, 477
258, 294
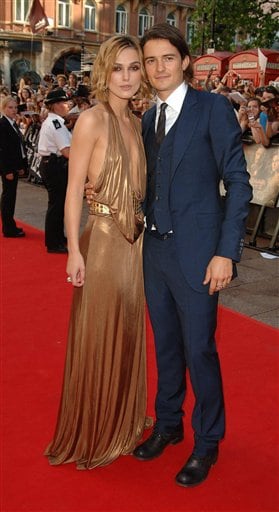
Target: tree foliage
234, 25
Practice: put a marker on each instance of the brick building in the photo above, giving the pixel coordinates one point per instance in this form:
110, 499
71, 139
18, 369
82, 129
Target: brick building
75, 31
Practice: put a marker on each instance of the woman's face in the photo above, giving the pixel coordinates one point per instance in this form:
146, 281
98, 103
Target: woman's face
253, 108
11, 109
25, 94
125, 77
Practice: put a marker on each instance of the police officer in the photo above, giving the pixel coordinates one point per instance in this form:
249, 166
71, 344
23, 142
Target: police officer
54, 147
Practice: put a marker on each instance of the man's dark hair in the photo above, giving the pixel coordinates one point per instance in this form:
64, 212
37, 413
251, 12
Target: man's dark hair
175, 37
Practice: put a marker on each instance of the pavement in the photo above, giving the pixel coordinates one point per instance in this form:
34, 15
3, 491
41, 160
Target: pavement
253, 293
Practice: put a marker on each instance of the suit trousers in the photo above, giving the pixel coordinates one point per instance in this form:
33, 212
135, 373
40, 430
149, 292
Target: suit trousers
55, 177
184, 323
8, 200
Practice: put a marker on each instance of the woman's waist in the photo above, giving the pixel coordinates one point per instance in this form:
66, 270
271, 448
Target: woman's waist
102, 209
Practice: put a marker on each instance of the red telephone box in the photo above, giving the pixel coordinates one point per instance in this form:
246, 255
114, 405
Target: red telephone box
218, 61
246, 65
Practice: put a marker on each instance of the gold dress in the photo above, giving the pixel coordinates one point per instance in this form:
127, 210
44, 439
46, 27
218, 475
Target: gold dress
103, 402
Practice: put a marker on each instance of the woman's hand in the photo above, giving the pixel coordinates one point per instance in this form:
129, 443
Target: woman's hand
242, 112
76, 269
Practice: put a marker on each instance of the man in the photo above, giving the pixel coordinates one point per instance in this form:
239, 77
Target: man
13, 163
54, 147
191, 243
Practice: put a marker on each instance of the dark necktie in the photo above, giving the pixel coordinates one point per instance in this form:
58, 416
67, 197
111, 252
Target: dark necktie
161, 126
15, 125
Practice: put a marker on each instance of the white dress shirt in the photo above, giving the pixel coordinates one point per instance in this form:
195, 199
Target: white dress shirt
54, 136
174, 102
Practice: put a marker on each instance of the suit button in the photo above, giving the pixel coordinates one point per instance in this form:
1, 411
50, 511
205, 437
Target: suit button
157, 198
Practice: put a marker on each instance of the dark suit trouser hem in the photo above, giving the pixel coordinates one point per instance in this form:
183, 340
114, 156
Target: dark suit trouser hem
8, 201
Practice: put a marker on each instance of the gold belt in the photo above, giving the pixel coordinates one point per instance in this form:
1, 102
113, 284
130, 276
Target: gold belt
96, 208
99, 209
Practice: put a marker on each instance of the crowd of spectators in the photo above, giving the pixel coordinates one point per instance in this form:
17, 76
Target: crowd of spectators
256, 108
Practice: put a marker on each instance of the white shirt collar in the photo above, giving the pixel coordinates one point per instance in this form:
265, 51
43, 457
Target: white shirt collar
11, 121
176, 98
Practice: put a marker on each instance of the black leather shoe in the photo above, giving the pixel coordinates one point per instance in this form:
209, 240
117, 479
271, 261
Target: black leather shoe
60, 249
19, 233
156, 443
196, 469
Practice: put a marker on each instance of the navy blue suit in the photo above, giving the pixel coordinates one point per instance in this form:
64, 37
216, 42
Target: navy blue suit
202, 147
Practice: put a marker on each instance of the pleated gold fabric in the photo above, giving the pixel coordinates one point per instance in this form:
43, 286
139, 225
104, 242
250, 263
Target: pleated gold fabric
103, 403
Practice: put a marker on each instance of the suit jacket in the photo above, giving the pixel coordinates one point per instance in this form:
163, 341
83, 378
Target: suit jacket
207, 148
10, 149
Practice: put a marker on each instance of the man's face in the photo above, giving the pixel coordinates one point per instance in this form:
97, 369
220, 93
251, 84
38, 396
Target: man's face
164, 66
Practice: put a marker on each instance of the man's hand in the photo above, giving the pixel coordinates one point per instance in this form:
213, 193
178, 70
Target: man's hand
9, 176
218, 273
89, 193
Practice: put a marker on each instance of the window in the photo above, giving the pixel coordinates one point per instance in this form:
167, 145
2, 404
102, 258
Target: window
190, 29
145, 21
121, 24
90, 15
171, 19
63, 13
21, 10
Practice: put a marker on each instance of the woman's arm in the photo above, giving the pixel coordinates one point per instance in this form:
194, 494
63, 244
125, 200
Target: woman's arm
242, 118
259, 134
82, 146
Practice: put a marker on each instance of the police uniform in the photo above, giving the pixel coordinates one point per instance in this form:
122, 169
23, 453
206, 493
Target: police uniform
54, 136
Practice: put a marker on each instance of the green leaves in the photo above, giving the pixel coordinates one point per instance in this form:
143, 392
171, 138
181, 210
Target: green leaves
235, 25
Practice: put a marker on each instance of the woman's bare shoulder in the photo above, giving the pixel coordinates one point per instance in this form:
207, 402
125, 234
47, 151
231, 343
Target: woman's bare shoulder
93, 118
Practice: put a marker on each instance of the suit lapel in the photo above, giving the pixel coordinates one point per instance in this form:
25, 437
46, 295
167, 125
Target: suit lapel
186, 124
148, 122
12, 131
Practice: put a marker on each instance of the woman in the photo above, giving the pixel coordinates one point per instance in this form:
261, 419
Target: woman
102, 410
25, 96
13, 163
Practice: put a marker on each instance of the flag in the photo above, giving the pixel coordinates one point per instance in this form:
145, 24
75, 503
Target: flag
262, 60
37, 17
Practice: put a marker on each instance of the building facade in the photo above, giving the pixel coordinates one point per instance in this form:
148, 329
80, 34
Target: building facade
76, 29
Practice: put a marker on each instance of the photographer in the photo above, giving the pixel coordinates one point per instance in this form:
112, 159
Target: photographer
54, 147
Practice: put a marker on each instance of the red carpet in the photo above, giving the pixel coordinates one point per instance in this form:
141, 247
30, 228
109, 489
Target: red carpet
35, 308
